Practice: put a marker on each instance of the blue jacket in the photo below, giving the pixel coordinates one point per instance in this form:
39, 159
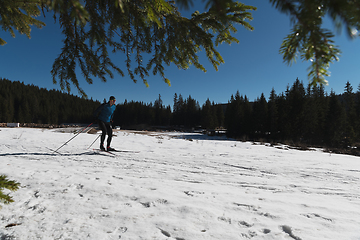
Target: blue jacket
105, 112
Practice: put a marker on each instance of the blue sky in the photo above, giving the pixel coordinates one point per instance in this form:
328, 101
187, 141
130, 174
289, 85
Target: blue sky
253, 66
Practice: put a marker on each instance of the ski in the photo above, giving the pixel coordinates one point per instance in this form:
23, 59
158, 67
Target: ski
99, 150
125, 151
114, 151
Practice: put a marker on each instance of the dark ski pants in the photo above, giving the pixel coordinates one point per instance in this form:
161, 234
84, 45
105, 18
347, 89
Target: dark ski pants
106, 129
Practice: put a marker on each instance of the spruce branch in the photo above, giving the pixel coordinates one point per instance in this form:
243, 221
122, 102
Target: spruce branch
308, 39
11, 185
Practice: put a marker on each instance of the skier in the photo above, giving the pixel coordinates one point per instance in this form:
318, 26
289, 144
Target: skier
104, 114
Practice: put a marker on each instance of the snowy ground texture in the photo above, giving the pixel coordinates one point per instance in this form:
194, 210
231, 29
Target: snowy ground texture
185, 188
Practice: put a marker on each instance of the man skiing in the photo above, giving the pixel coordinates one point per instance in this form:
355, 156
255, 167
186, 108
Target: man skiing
104, 114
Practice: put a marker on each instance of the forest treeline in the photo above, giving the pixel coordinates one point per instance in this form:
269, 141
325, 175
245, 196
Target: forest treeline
31, 104
301, 114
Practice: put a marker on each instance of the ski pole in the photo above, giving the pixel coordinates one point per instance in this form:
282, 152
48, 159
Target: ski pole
94, 141
73, 137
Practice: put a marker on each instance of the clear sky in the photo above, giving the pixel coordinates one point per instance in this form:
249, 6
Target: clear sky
253, 66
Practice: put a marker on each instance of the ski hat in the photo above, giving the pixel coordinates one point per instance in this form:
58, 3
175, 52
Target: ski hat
112, 98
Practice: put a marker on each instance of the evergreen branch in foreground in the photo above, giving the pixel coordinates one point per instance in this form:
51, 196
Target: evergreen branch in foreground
7, 184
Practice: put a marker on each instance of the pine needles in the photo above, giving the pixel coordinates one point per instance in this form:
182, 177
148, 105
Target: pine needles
11, 185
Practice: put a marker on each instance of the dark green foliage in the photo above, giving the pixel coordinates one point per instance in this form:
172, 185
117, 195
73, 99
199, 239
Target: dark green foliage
296, 104
335, 122
19, 16
5, 183
351, 118
308, 39
149, 35
192, 112
178, 110
131, 114
260, 116
212, 115
238, 119
298, 115
152, 34
272, 118
315, 110
30, 104
186, 112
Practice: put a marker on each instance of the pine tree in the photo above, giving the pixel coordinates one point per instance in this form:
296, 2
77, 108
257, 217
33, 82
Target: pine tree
159, 113
167, 115
296, 100
219, 111
178, 110
350, 109
230, 117
310, 115
207, 120
335, 123
260, 116
283, 125
239, 117
322, 104
212, 115
248, 125
235, 116
3, 109
175, 106
179, 115
273, 115
5, 183
192, 112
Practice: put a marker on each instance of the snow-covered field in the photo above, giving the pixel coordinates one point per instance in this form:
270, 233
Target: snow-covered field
186, 188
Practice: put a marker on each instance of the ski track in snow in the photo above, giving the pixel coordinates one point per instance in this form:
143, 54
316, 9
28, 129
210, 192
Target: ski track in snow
178, 186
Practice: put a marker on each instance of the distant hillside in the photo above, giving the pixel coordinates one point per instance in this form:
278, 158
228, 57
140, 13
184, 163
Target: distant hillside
31, 104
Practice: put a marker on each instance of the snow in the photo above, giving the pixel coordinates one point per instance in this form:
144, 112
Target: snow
174, 186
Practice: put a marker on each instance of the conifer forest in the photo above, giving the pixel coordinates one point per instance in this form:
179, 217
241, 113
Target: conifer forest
302, 115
